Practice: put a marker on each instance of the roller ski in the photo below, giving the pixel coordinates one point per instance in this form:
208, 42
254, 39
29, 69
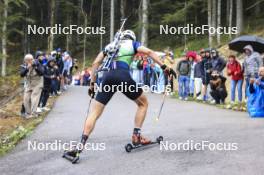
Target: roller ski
139, 141
73, 155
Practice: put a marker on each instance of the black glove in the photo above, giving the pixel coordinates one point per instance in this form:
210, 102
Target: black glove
91, 90
168, 70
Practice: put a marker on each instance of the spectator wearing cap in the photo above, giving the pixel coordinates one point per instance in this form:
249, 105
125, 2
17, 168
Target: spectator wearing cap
49, 74
218, 63
59, 63
206, 68
32, 71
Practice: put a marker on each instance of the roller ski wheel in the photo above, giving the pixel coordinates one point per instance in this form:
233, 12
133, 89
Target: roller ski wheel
159, 139
72, 156
129, 147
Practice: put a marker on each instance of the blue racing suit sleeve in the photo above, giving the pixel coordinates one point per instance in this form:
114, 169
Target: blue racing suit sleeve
136, 45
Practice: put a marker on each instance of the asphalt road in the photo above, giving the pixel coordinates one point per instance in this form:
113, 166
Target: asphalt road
180, 122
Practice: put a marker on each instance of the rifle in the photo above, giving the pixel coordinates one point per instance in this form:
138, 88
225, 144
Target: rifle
113, 48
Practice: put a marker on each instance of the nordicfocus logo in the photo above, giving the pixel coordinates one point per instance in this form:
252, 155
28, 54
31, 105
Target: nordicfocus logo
190, 29
125, 87
57, 145
191, 145
66, 30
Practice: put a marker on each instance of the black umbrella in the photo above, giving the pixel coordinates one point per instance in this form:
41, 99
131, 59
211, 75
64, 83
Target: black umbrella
239, 43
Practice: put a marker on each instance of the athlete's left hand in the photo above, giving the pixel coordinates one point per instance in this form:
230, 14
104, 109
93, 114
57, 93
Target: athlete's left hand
91, 90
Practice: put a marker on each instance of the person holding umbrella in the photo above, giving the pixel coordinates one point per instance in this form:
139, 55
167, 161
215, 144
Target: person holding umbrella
250, 45
251, 65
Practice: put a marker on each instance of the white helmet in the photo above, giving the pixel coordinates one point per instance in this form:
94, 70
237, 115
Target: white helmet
128, 34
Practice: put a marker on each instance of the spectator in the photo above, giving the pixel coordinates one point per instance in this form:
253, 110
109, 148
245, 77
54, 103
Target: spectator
54, 91
32, 71
134, 69
234, 70
206, 67
77, 79
255, 102
60, 65
168, 60
252, 63
218, 63
140, 69
85, 80
184, 70
67, 64
146, 70
198, 78
218, 88
49, 74
160, 79
191, 57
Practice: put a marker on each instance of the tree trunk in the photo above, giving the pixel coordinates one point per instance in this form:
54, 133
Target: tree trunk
185, 23
230, 17
257, 9
4, 38
123, 8
140, 19
214, 12
52, 17
227, 11
218, 21
144, 33
84, 35
84, 41
209, 13
112, 20
68, 37
239, 16
101, 23
25, 35
78, 38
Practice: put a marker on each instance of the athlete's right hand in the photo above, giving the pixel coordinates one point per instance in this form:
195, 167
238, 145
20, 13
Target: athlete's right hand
91, 90
168, 70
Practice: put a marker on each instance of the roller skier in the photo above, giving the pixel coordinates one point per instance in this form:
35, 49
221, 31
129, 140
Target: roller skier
118, 73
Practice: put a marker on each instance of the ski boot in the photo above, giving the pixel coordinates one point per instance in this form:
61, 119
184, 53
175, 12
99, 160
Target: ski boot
72, 155
139, 141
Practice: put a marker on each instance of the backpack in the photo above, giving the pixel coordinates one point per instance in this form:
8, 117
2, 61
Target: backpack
184, 68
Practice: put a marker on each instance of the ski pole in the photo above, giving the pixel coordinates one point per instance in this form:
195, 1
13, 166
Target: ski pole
88, 110
161, 107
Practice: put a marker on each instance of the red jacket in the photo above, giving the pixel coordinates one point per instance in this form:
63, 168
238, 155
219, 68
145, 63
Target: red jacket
234, 70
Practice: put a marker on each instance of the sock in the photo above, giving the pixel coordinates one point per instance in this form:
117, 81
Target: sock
137, 131
83, 141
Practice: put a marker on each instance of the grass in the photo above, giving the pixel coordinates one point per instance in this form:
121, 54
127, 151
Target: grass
13, 128
234, 107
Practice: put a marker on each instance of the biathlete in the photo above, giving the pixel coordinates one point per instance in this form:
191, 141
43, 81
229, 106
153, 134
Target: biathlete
119, 74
